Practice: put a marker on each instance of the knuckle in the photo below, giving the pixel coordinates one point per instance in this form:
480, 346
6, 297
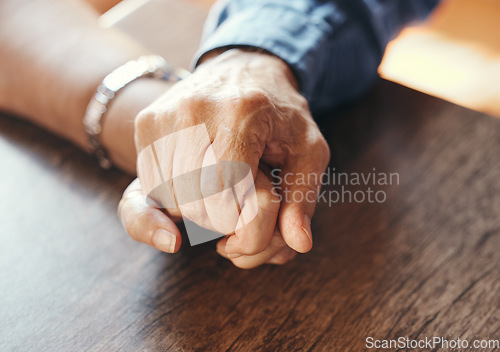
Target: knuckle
319, 150
138, 223
252, 102
196, 213
144, 119
324, 150
144, 128
195, 108
255, 96
308, 187
269, 202
302, 103
191, 101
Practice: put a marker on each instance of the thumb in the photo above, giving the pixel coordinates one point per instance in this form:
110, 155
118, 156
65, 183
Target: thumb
300, 183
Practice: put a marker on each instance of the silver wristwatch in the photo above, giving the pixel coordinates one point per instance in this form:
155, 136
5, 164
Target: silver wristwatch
145, 66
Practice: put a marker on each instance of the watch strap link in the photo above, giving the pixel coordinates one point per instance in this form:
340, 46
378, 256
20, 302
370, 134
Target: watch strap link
145, 66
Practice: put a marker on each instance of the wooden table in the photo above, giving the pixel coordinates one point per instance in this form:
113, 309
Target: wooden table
423, 263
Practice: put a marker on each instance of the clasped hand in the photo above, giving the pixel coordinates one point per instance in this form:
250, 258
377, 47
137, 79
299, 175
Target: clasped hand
252, 113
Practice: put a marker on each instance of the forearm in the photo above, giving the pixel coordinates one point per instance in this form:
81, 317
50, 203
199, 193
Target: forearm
53, 56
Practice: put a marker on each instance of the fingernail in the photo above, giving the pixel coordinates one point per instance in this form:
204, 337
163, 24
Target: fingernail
306, 226
164, 240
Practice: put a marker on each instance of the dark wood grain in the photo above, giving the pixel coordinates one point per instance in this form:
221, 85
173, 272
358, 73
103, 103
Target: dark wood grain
424, 263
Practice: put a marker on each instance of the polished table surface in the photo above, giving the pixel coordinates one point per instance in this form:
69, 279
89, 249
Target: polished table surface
423, 263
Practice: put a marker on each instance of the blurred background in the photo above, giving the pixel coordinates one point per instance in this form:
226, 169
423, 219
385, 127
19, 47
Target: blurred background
454, 55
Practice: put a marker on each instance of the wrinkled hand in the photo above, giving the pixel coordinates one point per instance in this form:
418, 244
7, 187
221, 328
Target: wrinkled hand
252, 111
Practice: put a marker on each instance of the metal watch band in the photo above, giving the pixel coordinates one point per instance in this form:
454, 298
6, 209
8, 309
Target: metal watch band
145, 66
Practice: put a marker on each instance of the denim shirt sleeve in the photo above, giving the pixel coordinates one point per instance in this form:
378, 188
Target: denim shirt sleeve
333, 47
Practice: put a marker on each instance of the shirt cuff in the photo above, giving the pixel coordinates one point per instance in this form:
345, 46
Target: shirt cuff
285, 32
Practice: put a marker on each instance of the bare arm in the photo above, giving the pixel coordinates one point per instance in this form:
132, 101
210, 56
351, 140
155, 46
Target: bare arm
52, 57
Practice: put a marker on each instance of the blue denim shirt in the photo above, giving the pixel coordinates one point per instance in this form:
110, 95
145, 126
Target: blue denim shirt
334, 47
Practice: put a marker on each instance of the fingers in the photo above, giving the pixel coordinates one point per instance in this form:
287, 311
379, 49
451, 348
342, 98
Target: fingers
254, 237
238, 146
147, 224
245, 128
193, 153
283, 256
179, 158
181, 171
300, 185
276, 253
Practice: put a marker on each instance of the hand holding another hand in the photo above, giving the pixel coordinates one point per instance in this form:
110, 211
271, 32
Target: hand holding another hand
253, 113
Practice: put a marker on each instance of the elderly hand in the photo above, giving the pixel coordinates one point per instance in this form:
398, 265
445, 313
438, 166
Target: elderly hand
253, 114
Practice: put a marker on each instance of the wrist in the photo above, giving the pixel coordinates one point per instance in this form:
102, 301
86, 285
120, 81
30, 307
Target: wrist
259, 63
150, 66
118, 127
